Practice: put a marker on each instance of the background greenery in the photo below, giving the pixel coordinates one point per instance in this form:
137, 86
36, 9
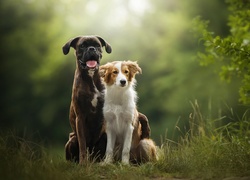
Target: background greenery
36, 78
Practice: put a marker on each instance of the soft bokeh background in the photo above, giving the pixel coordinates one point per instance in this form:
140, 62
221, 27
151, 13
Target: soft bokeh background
36, 78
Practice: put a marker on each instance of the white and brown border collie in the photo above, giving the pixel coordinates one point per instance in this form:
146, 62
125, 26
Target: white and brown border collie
123, 122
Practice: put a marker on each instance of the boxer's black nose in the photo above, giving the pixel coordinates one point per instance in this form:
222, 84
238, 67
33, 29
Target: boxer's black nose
91, 48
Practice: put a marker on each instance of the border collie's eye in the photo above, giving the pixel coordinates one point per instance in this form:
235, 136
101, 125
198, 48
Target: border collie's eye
115, 72
126, 71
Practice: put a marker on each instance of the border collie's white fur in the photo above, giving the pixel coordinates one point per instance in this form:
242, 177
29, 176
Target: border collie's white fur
120, 110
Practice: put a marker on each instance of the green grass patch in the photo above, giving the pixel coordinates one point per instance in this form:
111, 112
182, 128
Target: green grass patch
203, 152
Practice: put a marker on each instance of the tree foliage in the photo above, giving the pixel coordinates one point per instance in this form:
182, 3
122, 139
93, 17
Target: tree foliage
232, 52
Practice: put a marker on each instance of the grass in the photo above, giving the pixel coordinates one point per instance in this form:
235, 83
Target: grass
203, 152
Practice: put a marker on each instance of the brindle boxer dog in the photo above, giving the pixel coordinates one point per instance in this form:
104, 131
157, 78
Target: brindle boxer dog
86, 116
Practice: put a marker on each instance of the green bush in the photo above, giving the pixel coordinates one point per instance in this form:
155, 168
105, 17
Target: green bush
232, 53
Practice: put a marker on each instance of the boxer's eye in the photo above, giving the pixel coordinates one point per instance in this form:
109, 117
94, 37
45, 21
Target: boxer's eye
82, 46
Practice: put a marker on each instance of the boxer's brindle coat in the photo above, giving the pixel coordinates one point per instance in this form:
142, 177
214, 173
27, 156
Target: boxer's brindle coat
86, 116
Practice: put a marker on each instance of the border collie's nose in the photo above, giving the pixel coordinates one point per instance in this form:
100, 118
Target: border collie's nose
123, 82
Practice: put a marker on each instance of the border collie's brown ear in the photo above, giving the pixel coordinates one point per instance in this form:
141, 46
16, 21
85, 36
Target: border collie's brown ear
104, 43
134, 67
102, 71
71, 43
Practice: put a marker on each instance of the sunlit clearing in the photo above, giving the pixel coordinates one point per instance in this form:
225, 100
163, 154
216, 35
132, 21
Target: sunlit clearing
92, 7
119, 12
139, 6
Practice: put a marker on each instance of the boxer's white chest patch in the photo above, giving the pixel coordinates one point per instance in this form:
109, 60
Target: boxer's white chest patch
95, 98
91, 73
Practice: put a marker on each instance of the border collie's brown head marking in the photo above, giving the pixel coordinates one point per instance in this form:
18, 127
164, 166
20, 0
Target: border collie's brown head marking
120, 73
88, 50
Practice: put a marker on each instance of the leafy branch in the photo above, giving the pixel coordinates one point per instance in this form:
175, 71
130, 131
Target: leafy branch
232, 53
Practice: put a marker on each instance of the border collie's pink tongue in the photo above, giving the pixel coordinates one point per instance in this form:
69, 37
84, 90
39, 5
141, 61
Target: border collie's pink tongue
91, 64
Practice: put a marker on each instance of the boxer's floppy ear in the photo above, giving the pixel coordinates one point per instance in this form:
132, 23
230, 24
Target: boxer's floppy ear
104, 43
71, 43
